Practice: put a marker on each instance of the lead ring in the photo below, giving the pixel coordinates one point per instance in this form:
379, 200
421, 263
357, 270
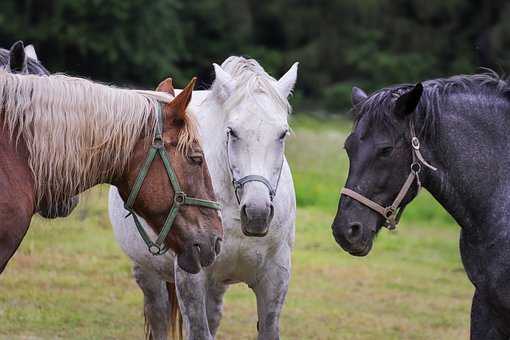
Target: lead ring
416, 168
154, 249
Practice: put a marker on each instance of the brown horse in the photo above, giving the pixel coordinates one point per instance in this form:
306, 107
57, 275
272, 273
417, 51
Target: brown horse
61, 135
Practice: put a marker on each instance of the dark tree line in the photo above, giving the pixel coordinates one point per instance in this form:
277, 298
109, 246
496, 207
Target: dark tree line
370, 43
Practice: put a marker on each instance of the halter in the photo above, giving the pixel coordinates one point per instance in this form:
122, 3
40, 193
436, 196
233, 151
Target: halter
393, 212
239, 183
180, 198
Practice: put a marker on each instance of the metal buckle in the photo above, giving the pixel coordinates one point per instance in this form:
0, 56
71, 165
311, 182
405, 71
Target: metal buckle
158, 143
415, 142
390, 223
236, 184
179, 198
389, 212
154, 249
415, 168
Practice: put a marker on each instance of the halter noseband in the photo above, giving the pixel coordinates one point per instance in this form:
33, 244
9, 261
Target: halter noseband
393, 212
180, 198
239, 183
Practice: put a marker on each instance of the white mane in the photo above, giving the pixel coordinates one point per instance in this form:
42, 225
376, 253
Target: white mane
250, 79
78, 133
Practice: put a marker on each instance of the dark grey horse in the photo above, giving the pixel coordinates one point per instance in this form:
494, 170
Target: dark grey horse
462, 128
16, 60
23, 60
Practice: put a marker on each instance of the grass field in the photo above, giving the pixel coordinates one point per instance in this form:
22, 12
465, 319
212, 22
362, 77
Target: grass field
69, 279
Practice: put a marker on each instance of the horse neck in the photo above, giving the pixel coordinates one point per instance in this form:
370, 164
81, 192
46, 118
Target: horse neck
16, 178
470, 150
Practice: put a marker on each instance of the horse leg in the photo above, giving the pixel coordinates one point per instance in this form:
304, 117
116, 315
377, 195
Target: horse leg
490, 309
271, 290
155, 302
482, 320
191, 294
481, 325
215, 292
13, 228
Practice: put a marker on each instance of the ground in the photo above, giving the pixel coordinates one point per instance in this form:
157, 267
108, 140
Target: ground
69, 279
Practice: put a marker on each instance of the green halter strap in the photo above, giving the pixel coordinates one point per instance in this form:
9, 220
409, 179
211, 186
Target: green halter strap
180, 198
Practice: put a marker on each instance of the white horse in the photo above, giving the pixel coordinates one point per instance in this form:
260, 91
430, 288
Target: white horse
243, 126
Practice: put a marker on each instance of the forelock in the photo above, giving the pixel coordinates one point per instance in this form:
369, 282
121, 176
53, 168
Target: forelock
251, 79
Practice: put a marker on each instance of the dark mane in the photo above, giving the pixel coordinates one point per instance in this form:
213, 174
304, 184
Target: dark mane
34, 67
379, 106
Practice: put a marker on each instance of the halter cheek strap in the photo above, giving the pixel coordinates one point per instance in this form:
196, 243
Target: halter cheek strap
393, 212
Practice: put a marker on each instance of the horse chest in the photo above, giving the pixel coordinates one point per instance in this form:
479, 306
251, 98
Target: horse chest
487, 264
242, 257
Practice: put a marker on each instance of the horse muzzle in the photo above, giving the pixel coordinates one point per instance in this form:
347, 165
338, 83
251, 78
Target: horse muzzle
353, 237
199, 254
256, 216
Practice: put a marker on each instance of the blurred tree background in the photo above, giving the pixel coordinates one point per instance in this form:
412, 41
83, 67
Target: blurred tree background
339, 43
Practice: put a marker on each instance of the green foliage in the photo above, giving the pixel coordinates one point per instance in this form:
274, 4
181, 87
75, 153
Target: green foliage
340, 43
337, 97
120, 41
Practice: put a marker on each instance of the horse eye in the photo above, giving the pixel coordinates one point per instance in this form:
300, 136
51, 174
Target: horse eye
196, 158
232, 133
386, 151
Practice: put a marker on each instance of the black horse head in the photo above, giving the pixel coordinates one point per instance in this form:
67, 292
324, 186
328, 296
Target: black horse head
380, 155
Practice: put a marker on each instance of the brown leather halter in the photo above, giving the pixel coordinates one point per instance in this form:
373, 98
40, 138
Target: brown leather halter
393, 212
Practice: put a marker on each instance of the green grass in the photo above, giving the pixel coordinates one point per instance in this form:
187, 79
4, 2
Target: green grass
70, 280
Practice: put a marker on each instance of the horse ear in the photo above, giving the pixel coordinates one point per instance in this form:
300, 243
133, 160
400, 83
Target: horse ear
181, 102
166, 86
357, 96
17, 57
288, 80
407, 102
223, 84
30, 52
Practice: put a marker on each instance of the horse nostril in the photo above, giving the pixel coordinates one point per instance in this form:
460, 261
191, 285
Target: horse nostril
354, 232
217, 246
196, 245
243, 210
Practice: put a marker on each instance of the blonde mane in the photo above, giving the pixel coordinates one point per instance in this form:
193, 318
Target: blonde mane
78, 133
251, 78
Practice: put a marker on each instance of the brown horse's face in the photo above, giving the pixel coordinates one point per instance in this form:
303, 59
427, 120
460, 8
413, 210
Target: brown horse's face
197, 231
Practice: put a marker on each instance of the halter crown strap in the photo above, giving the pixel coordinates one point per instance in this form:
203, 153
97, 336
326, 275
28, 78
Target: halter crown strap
415, 142
160, 123
393, 212
180, 198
